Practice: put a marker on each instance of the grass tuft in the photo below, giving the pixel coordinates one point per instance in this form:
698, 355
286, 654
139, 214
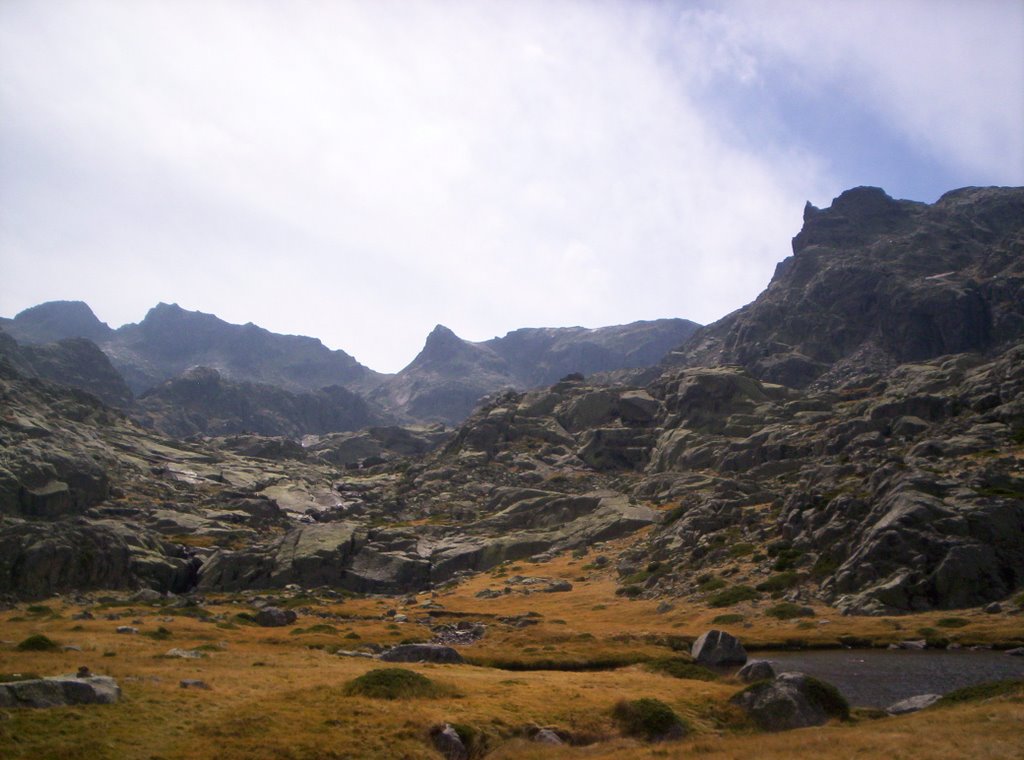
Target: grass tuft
38, 642
649, 719
394, 683
681, 667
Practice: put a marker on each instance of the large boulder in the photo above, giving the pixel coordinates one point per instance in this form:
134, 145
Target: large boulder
59, 692
275, 617
756, 670
791, 700
716, 647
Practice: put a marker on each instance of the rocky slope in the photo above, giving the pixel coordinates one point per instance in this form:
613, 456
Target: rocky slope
450, 375
886, 480
873, 282
202, 402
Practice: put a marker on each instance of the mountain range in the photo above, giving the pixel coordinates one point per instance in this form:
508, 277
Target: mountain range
274, 384
852, 438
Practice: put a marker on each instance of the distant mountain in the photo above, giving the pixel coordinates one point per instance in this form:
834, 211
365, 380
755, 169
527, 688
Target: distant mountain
442, 384
56, 320
201, 401
874, 282
171, 340
450, 375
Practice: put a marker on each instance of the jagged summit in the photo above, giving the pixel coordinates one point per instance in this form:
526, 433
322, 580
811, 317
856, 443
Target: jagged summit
874, 282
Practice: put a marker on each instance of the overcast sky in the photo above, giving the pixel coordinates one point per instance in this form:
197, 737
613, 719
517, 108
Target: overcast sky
361, 171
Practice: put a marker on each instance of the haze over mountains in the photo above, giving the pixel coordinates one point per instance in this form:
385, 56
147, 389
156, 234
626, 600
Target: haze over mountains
292, 385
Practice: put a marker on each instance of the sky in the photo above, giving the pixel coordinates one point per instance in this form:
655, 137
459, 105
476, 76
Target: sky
361, 171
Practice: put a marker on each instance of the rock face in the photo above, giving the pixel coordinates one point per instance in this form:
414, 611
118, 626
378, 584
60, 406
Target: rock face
876, 281
201, 401
717, 648
450, 375
39, 559
79, 363
791, 700
59, 692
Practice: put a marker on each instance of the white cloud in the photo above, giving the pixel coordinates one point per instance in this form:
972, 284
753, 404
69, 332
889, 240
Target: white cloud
360, 171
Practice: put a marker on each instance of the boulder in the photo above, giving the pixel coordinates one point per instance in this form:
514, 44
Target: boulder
447, 741
423, 653
913, 704
716, 647
275, 617
791, 700
59, 692
756, 670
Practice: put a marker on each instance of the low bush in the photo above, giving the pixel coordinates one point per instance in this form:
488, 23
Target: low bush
394, 683
649, 719
788, 611
979, 692
829, 697
952, 622
733, 595
37, 642
781, 582
681, 667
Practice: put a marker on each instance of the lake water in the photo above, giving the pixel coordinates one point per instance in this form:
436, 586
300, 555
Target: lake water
877, 678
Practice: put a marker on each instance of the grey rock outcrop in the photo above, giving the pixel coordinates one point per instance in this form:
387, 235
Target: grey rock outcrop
791, 700
275, 617
913, 704
447, 741
756, 670
716, 648
59, 692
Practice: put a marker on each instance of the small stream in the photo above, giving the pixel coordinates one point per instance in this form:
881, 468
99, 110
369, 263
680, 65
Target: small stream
877, 678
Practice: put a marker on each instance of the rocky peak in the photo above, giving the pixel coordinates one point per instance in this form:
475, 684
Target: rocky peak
854, 215
442, 344
56, 320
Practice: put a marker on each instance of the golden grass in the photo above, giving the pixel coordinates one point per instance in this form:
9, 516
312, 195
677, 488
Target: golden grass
276, 694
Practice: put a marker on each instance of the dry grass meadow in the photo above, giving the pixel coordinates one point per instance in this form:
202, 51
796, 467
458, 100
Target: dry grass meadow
280, 692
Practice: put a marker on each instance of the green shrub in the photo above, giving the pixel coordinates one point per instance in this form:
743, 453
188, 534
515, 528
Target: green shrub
160, 634
828, 696
38, 609
781, 582
649, 719
1010, 687
711, 584
681, 667
630, 592
952, 622
824, 566
37, 642
788, 611
733, 595
741, 549
394, 683
318, 628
